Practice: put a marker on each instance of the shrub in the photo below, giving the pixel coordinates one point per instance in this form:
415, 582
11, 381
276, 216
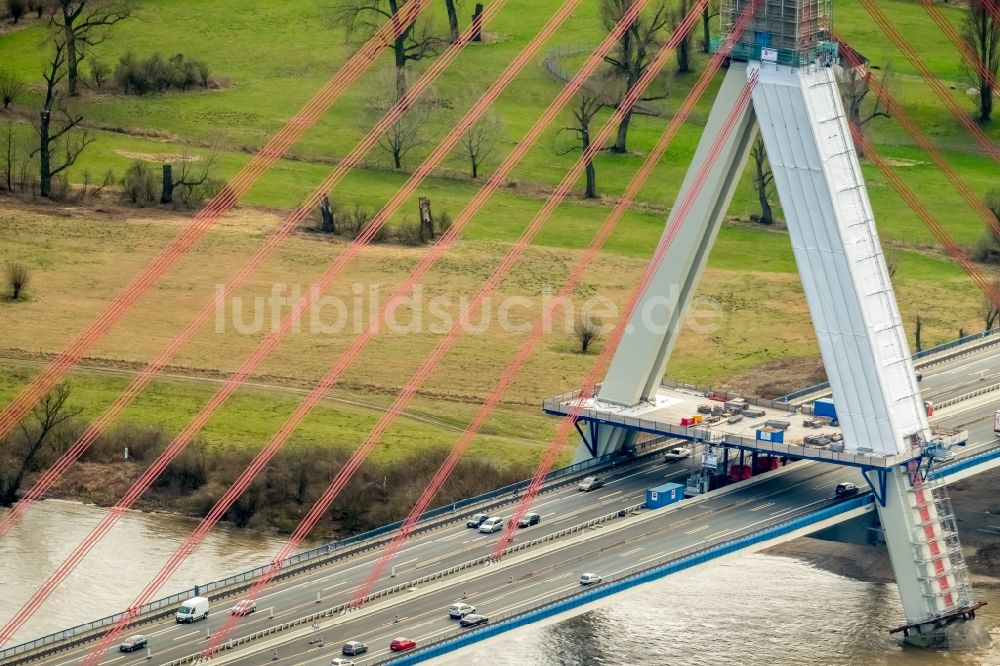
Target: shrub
408, 233
139, 184
157, 74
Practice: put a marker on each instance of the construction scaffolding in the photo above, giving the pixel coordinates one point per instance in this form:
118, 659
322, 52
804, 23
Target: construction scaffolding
788, 32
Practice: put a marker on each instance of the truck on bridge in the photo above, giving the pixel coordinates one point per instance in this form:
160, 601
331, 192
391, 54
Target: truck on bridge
996, 422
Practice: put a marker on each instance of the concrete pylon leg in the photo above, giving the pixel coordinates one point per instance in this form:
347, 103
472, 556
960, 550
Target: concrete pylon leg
640, 360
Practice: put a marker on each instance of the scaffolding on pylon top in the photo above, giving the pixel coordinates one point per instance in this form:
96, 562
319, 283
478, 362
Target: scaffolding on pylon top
789, 32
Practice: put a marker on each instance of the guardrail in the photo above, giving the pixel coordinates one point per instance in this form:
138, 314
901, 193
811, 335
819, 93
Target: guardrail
690, 557
317, 556
993, 334
967, 396
437, 575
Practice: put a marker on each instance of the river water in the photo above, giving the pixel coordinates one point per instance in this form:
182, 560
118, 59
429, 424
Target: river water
754, 609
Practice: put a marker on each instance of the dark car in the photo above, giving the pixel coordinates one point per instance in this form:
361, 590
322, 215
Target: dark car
529, 519
476, 520
132, 644
847, 490
354, 647
400, 644
473, 620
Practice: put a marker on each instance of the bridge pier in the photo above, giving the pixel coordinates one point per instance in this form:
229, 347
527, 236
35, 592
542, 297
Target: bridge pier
787, 56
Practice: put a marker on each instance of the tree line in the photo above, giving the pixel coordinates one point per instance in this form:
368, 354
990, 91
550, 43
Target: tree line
378, 493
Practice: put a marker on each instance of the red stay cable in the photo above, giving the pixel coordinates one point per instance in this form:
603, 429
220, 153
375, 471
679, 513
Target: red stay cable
140, 381
519, 63
345, 474
991, 149
566, 425
949, 30
957, 182
203, 221
535, 336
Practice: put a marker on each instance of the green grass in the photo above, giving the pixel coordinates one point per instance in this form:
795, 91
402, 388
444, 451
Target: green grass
272, 56
252, 416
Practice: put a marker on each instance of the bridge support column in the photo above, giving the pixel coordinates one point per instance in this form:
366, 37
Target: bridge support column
928, 563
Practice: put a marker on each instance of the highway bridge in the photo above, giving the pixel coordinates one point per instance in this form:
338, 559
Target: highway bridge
301, 618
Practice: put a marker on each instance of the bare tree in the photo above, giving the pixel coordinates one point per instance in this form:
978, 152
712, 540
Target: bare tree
328, 223
711, 11
49, 135
82, 24
481, 139
99, 72
891, 263
587, 104
991, 310
763, 179
916, 333
633, 52
987, 249
16, 9
405, 134
33, 432
587, 329
365, 17
18, 277
683, 50
8, 159
981, 32
452, 19
11, 88
854, 90
187, 178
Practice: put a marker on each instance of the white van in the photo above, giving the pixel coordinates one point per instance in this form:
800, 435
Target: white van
195, 608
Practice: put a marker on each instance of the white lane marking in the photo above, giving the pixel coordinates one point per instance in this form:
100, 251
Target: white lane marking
630, 552
699, 529
456, 535
343, 582
762, 506
712, 536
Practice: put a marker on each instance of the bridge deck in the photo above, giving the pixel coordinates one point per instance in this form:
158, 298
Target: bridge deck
664, 414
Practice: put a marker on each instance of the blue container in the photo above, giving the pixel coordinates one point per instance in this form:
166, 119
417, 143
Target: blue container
824, 407
778, 436
661, 496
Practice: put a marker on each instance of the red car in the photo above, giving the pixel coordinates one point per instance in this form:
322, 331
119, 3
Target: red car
400, 644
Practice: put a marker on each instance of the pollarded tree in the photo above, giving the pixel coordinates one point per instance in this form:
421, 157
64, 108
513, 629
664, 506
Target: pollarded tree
18, 277
366, 17
633, 53
981, 32
81, 25
452, 19
11, 88
587, 329
53, 133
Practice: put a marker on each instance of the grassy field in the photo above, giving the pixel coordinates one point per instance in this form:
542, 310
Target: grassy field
81, 257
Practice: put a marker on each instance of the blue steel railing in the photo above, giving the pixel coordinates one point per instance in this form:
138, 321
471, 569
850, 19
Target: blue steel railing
317, 552
691, 557
958, 342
